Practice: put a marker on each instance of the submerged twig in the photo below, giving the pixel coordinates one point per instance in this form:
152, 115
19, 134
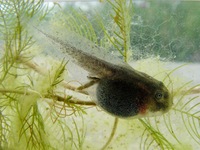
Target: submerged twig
57, 97
196, 90
73, 101
112, 134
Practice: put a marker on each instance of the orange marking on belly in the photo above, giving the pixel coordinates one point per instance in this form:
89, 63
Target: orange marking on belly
143, 109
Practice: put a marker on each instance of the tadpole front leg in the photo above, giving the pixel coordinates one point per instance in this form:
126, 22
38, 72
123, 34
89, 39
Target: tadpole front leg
92, 81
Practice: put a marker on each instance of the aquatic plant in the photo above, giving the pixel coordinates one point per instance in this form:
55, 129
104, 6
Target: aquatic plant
37, 109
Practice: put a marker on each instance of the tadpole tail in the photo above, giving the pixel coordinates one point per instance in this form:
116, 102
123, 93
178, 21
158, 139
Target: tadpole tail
89, 62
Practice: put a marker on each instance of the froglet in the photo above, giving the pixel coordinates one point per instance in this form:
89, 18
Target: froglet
121, 90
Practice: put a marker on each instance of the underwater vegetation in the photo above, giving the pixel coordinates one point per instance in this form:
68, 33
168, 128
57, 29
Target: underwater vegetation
44, 103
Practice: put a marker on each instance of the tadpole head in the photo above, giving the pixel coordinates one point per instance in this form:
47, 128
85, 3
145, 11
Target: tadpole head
155, 99
161, 100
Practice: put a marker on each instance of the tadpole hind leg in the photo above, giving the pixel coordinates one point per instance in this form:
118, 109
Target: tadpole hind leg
92, 81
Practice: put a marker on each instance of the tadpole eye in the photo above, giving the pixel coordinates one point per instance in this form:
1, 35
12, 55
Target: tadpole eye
158, 95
